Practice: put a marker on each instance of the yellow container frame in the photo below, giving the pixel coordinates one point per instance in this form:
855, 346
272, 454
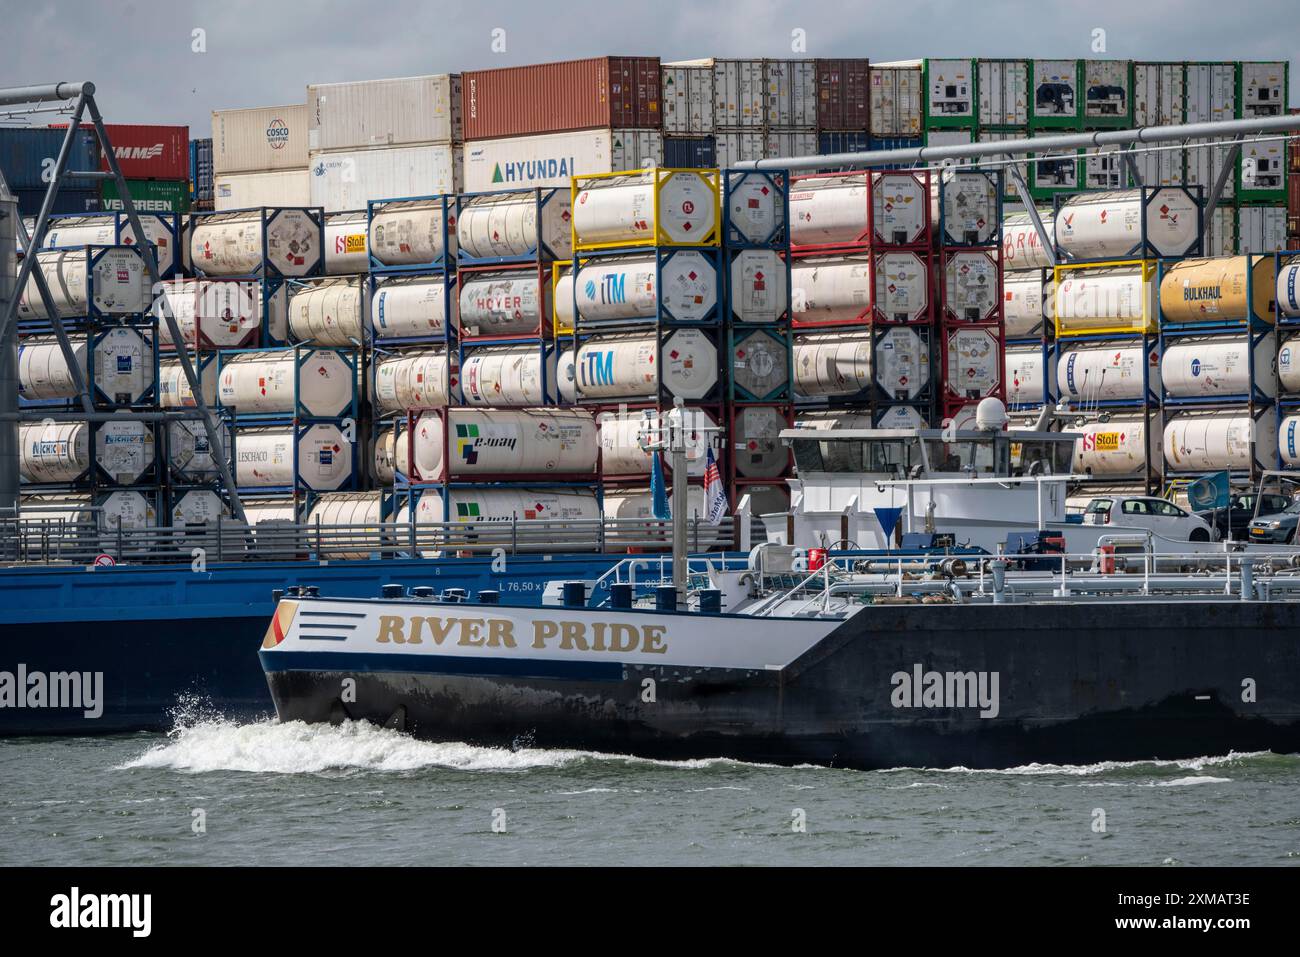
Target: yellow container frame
661, 174
557, 327
1149, 324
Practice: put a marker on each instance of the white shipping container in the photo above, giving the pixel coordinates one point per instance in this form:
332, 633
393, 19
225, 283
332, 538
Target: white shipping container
901, 364
895, 101
373, 114
734, 147
687, 98
1103, 168
1159, 94
951, 92
1263, 166
1221, 239
552, 159
1263, 89
975, 363
1161, 167
1204, 164
1107, 86
260, 139
790, 94
290, 187
1060, 173
1021, 246
1056, 88
623, 435
1261, 229
950, 138
349, 179
738, 87
1211, 90
1003, 92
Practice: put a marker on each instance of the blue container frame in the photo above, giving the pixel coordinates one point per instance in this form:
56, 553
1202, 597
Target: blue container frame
1143, 248
446, 263
540, 251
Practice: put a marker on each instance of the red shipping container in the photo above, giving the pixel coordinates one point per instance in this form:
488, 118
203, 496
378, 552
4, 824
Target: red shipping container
843, 94
147, 152
620, 92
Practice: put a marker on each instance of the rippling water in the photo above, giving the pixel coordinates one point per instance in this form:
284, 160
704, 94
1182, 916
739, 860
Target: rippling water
271, 793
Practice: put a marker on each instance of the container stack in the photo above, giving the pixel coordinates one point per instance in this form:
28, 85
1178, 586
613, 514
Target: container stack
1286, 328
26, 157
896, 113
109, 474
201, 188
259, 157
640, 315
760, 379
155, 161
537, 126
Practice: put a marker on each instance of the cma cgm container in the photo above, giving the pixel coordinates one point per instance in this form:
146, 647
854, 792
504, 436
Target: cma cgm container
375, 114
146, 152
28, 156
553, 158
611, 92
348, 179
260, 139
843, 94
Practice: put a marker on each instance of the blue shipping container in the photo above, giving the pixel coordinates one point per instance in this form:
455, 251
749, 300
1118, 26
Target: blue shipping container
853, 141
27, 157
68, 201
896, 143
201, 170
698, 152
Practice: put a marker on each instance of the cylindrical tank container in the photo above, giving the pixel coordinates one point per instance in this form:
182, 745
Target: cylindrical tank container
637, 504
898, 208
1209, 290
971, 286
1113, 225
190, 452
75, 231
507, 226
391, 455
200, 506
756, 442
488, 505
1288, 295
1026, 376
759, 288
125, 509
317, 381
241, 242
1211, 367
349, 522
345, 245
1288, 365
902, 363
627, 287
832, 210
626, 367
1288, 440
970, 209
116, 284
506, 441
760, 365
411, 233
329, 314
221, 314
622, 435
517, 376
174, 390
626, 209
265, 458
1120, 447
124, 450
419, 380
43, 372
1117, 299
124, 369
902, 287
1025, 302
901, 417
1202, 442
832, 363
405, 308
1107, 373
975, 363
510, 304
1021, 247
54, 452
831, 290
755, 203
258, 510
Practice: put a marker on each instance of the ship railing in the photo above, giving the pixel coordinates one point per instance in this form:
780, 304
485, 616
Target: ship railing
46, 540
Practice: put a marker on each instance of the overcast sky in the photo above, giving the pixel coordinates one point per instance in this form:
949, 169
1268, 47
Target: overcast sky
140, 54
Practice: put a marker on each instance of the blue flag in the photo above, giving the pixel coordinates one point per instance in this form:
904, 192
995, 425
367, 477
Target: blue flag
1209, 491
658, 494
888, 518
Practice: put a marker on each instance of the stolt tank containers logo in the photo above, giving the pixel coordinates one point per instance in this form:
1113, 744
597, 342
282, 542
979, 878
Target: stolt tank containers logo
277, 134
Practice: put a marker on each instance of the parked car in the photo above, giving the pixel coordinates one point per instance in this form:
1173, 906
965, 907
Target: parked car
1278, 528
1234, 521
1163, 518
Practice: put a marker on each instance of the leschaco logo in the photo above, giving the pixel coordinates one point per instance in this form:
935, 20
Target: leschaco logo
277, 134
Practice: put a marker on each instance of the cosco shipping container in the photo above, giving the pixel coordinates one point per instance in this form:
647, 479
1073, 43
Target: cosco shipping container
273, 188
553, 158
28, 157
374, 114
611, 92
260, 139
348, 179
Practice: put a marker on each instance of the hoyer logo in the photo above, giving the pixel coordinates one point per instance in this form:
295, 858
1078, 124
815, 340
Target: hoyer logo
543, 634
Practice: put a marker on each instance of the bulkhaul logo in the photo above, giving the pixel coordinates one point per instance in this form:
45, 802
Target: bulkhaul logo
138, 152
946, 690
75, 910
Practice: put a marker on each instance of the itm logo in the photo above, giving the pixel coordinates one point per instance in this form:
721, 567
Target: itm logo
76, 910
611, 289
1196, 367
277, 134
946, 689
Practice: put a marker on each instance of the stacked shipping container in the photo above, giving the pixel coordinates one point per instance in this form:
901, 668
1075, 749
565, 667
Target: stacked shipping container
259, 157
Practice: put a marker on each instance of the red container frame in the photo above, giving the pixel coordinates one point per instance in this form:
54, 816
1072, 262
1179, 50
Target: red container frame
714, 409
545, 325
734, 478
869, 238
871, 316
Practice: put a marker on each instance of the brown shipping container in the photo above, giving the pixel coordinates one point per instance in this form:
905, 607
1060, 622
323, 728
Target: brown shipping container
620, 92
843, 94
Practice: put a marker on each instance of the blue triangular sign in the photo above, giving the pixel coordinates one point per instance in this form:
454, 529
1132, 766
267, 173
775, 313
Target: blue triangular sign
888, 519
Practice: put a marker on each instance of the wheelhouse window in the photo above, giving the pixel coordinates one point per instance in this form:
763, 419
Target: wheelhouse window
893, 457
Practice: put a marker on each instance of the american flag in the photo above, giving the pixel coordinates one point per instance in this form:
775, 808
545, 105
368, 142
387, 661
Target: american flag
715, 502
